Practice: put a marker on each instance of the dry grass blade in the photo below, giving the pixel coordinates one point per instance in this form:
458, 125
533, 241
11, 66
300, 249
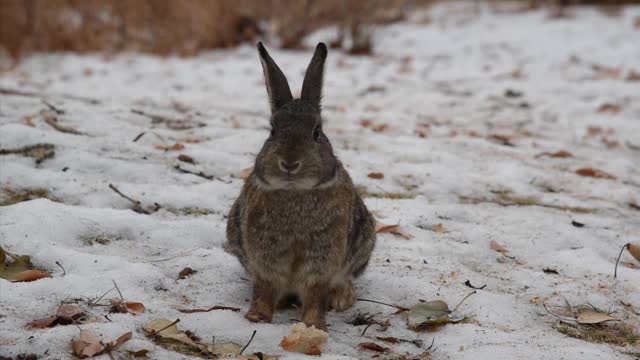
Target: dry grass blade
52, 120
373, 347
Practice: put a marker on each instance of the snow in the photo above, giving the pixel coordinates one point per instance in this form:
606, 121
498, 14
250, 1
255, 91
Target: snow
450, 74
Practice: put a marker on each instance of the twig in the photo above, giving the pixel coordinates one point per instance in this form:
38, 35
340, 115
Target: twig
468, 283
463, 299
117, 288
615, 271
53, 122
201, 174
7, 91
432, 342
155, 118
365, 329
137, 205
250, 340
64, 272
381, 303
94, 303
53, 108
217, 307
166, 327
139, 136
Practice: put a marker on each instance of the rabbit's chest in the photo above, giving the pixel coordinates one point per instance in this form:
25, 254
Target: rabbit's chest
293, 239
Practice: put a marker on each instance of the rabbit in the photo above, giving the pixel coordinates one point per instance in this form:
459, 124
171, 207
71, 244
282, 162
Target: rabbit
299, 227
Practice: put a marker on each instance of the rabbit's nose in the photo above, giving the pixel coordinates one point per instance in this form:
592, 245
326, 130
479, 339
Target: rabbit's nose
289, 167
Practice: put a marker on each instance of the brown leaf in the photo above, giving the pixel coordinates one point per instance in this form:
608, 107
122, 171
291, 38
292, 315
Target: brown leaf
373, 347
44, 323
303, 339
88, 345
438, 228
31, 275
174, 147
245, 173
610, 108
391, 229
593, 317
497, 247
634, 250
389, 339
186, 158
123, 306
376, 175
633, 76
119, 341
69, 312
186, 272
557, 154
595, 173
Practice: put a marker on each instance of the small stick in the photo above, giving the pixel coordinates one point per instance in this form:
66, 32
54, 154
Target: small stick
463, 299
117, 288
365, 329
64, 272
615, 271
432, 342
137, 205
139, 136
166, 327
468, 283
7, 91
201, 174
250, 340
93, 303
53, 108
53, 122
381, 303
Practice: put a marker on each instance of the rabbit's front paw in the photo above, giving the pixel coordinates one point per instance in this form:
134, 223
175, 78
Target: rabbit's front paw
259, 312
342, 297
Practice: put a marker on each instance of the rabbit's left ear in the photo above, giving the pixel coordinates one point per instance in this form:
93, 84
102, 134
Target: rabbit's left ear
312, 85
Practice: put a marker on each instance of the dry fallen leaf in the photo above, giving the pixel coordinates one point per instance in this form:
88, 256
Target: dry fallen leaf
186, 158
594, 317
174, 147
66, 314
246, 172
373, 347
31, 275
557, 154
391, 229
303, 339
634, 250
88, 345
610, 108
376, 175
497, 247
633, 76
119, 341
438, 228
595, 173
123, 306
186, 272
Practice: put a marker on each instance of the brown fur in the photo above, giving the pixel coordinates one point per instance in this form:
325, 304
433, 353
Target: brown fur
308, 233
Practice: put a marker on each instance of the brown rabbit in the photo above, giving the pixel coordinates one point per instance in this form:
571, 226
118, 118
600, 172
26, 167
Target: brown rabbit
299, 228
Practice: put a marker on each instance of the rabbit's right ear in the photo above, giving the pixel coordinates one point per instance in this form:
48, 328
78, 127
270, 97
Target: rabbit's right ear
277, 85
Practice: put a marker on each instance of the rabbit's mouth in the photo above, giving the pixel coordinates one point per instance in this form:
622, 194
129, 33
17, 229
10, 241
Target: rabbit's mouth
288, 182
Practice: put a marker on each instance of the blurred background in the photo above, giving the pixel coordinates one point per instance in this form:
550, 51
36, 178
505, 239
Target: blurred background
188, 26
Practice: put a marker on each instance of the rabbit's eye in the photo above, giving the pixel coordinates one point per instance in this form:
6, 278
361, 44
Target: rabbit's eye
316, 133
273, 131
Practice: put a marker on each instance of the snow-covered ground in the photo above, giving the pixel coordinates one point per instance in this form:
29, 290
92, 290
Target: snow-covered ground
535, 82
